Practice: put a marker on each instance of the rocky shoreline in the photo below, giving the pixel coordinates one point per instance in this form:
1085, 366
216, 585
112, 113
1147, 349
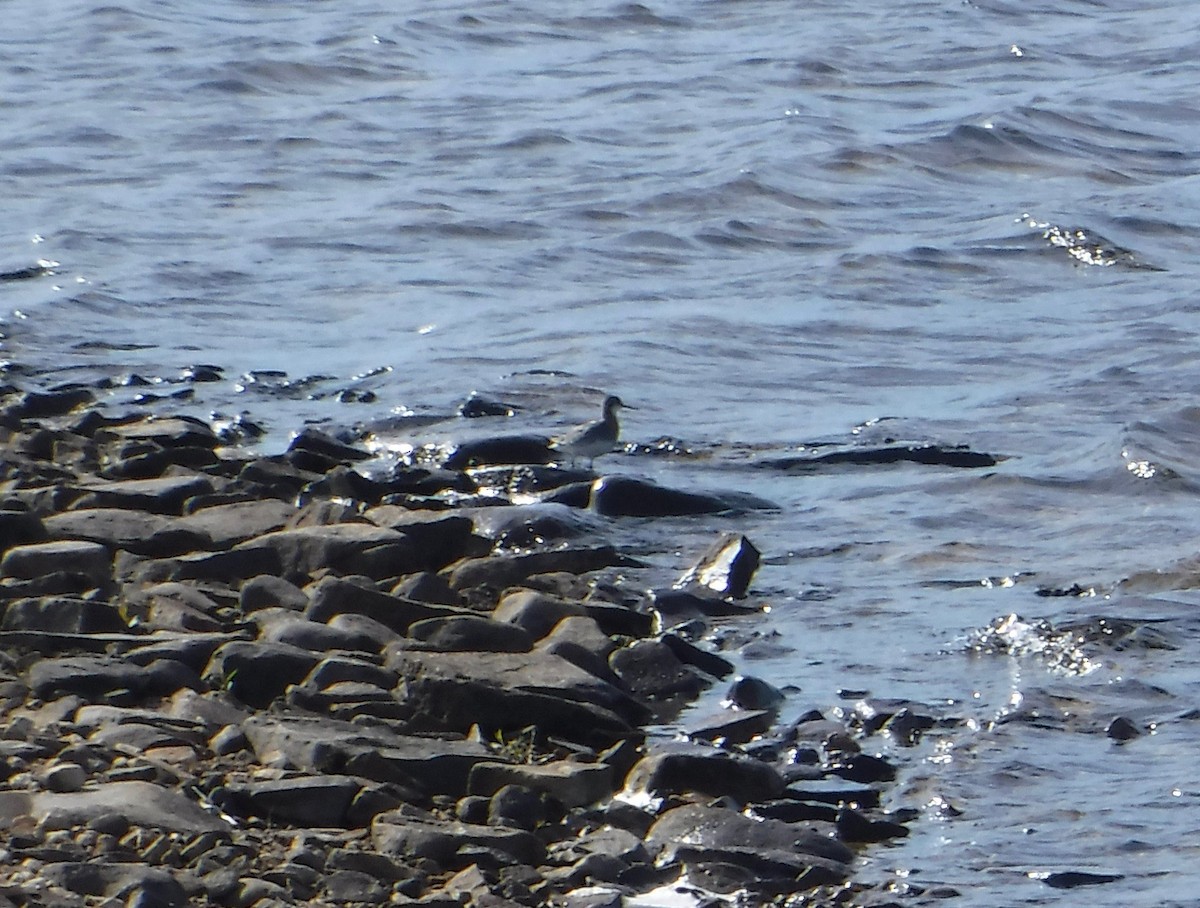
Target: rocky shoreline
233, 680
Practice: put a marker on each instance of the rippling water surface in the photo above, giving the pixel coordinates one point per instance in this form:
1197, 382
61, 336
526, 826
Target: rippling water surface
767, 225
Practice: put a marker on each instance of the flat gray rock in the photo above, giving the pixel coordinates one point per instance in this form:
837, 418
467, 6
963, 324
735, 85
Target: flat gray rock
226, 525
141, 803
312, 744
154, 535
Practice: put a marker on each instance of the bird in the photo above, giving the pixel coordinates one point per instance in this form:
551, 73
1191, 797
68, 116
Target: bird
596, 437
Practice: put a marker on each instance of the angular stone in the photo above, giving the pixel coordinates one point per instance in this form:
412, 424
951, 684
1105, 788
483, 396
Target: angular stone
266, 591
726, 567
226, 525
133, 884
400, 833
470, 633
169, 432
97, 676
20, 528
571, 784
332, 596
651, 669
445, 536
141, 803
735, 727
256, 672
625, 496
502, 571
301, 801
454, 691
348, 548
536, 612
719, 774
313, 744
157, 496
153, 535
176, 607
282, 626
719, 831
61, 615
89, 559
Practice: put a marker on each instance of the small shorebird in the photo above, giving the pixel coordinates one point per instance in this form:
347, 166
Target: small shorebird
594, 438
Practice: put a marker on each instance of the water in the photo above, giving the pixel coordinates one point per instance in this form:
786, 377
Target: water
766, 225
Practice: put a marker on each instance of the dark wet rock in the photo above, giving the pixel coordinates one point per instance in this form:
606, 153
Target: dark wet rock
793, 811
409, 834
907, 726
314, 441
152, 535
1071, 879
511, 449
733, 728
56, 614
571, 784
684, 768
226, 525
626, 496
99, 676
853, 827
697, 835
421, 481
1119, 729
504, 570
535, 612
258, 672
455, 691
676, 606
726, 567
168, 432
835, 791
56, 402
217, 567
651, 669
471, 633
332, 596
141, 803
754, 693
530, 525
862, 767
930, 455
266, 591
688, 653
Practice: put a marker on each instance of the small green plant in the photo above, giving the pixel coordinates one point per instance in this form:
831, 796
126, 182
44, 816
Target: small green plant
519, 747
